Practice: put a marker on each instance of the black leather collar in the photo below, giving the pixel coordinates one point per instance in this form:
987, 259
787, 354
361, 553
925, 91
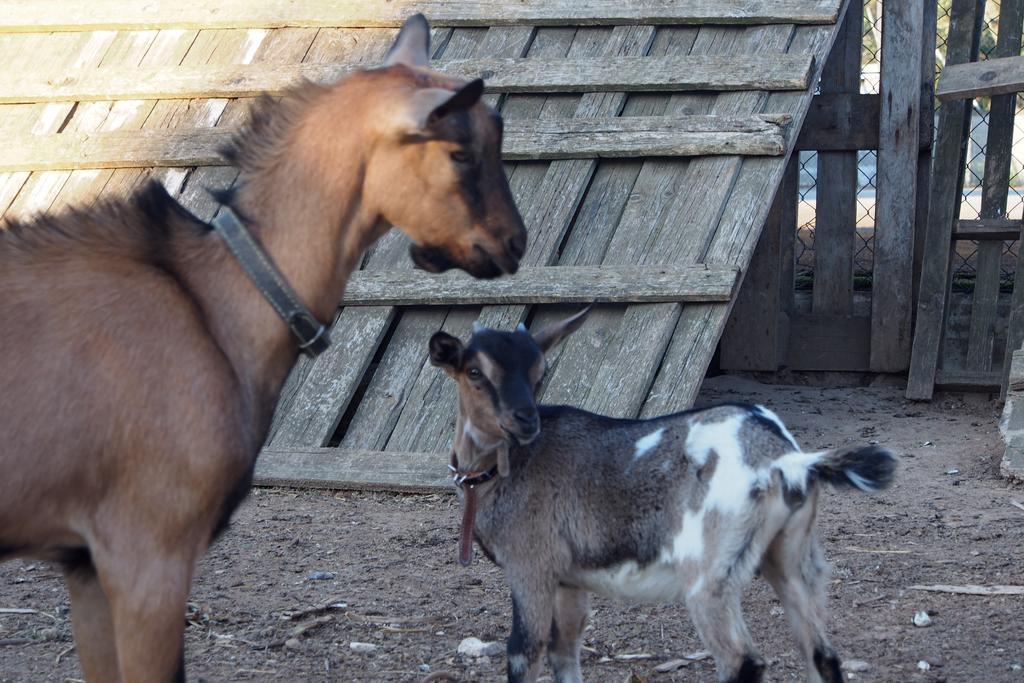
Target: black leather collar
471, 479
311, 334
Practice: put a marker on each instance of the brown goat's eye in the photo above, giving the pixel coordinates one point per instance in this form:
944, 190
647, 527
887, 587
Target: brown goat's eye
461, 156
474, 373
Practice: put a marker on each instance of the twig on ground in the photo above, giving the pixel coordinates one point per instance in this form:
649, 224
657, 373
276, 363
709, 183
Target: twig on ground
17, 610
439, 676
63, 653
878, 551
1017, 504
328, 606
12, 642
971, 589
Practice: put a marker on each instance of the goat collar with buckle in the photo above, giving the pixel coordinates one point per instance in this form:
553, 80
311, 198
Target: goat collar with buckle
468, 481
311, 333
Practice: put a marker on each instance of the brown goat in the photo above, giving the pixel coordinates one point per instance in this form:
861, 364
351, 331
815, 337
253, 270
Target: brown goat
140, 365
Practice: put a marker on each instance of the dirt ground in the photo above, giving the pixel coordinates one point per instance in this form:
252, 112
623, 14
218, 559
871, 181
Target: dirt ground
387, 563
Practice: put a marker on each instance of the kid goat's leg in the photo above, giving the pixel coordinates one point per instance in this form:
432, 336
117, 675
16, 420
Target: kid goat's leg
91, 623
796, 569
571, 608
532, 612
715, 610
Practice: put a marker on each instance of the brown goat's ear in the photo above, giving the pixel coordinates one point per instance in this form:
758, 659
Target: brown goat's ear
554, 334
412, 46
428, 106
464, 98
446, 351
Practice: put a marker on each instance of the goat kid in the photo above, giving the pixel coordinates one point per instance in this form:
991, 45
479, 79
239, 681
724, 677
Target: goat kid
685, 507
139, 365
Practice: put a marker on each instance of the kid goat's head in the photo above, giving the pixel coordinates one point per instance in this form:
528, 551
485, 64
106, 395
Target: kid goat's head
498, 374
435, 169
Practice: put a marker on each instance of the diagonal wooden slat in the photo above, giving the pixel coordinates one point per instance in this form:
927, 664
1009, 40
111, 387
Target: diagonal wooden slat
87, 15
689, 72
524, 140
544, 285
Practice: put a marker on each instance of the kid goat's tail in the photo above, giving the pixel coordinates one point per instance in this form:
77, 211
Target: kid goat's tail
868, 468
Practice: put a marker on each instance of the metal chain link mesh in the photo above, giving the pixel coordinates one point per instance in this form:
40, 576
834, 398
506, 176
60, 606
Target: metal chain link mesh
964, 262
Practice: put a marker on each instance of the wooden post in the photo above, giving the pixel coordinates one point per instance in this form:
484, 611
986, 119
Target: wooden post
946, 181
756, 334
836, 214
995, 187
899, 133
924, 158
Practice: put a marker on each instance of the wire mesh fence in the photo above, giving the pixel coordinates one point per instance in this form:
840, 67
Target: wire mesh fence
966, 253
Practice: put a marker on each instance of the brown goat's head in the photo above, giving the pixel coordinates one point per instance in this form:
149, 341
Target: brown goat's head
435, 169
498, 374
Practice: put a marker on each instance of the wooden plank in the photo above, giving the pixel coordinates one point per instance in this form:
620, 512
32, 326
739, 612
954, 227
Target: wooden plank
523, 140
994, 76
754, 337
666, 74
838, 122
998, 229
995, 188
895, 207
545, 285
699, 326
969, 380
80, 15
947, 175
336, 468
835, 226
23, 193
822, 342
1014, 332
924, 157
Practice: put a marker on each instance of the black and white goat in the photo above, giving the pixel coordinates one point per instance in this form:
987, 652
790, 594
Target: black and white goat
685, 507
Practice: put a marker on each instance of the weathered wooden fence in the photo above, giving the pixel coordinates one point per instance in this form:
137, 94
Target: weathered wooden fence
769, 328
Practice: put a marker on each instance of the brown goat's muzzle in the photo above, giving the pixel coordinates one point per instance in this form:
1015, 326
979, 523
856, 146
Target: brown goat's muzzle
481, 262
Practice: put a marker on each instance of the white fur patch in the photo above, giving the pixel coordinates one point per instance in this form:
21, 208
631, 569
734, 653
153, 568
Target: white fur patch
646, 443
772, 417
517, 664
859, 481
659, 581
733, 479
795, 467
688, 544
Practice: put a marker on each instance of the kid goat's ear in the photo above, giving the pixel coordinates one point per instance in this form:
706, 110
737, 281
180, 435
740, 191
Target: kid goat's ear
554, 334
446, 351
412, 46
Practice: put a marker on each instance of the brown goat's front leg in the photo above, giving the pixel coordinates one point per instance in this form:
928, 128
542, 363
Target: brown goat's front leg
571, 610
91, 623
148, 593
532, 612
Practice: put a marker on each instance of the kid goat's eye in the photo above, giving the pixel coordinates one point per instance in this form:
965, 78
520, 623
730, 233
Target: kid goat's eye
461, 156
474, 373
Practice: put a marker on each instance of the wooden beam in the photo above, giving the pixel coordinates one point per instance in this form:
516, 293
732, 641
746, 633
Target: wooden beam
969, 380
335, 468
116, 15
665, 74
847, 122
835, 228
996, 229
829, 343
545, 285
943, 206
1001, 76
895, 210
635, 136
